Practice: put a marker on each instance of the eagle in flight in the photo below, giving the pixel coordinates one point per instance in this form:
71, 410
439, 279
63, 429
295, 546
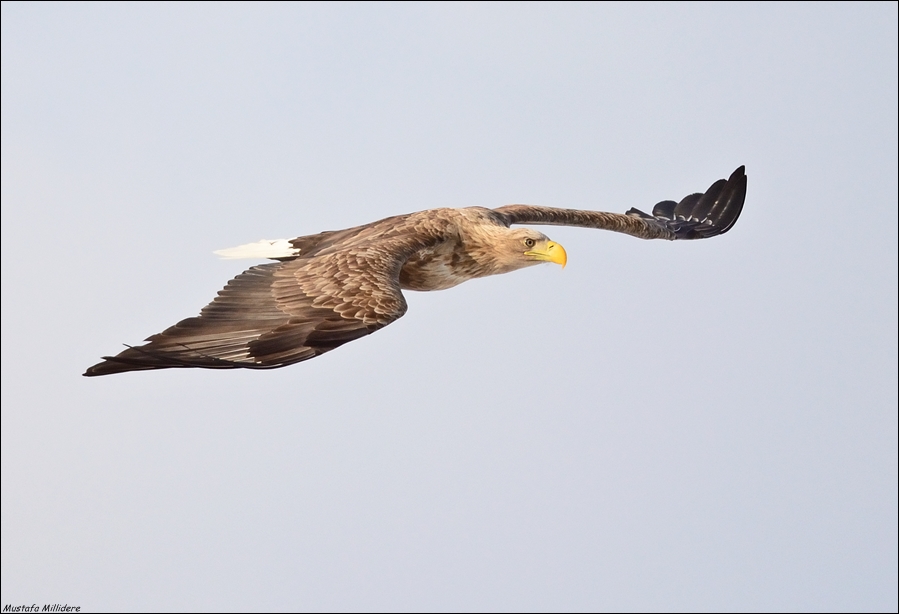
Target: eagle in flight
330, 288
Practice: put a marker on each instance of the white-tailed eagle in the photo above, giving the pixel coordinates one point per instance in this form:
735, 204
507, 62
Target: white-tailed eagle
336, 286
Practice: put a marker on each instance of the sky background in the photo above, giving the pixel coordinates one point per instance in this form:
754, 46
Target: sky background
706, 425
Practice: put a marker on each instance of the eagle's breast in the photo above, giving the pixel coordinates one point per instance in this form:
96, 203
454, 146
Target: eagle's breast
440, 267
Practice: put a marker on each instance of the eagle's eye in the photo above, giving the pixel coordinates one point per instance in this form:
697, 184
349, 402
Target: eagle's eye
529, 243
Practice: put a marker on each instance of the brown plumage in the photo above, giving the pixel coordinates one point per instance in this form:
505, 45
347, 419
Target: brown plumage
337, 286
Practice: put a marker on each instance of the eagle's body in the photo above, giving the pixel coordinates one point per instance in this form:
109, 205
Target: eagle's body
334, 287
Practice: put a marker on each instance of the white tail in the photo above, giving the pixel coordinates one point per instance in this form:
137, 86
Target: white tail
278, 248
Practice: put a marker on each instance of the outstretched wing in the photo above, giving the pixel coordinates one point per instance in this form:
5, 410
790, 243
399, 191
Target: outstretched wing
697, 216
278, 314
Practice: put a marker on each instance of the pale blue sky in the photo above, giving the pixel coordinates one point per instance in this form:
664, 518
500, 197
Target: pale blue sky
665, 426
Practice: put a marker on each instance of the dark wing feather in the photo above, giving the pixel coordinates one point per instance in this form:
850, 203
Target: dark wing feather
278, 314
697, 216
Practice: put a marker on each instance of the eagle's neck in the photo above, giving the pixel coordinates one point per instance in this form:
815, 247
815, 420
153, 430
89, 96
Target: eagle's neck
476, 251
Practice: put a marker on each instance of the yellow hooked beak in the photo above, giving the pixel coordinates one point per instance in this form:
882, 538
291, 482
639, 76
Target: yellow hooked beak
552, 252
